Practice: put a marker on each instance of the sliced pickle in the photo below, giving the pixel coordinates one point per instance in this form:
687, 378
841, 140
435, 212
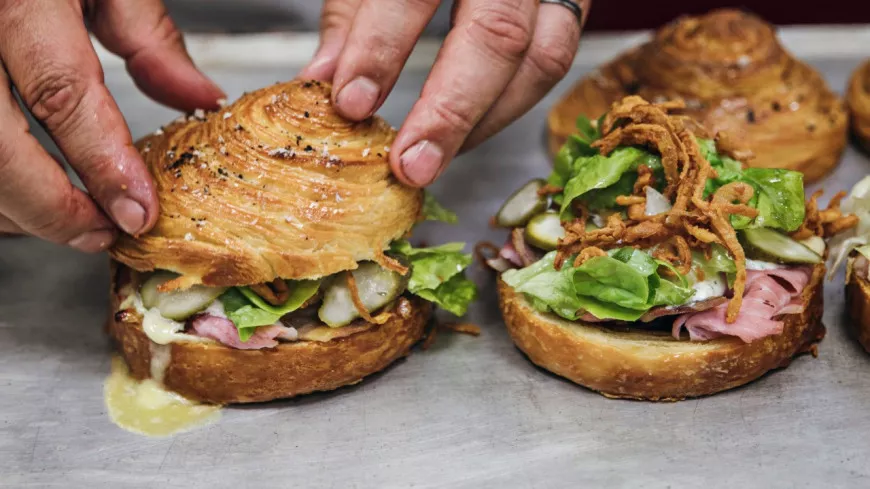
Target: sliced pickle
522, 205
544, 231
178, 304
815, 243
377, 287
769, 245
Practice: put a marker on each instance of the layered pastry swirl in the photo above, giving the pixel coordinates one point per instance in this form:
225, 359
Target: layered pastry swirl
735, 77
858, 100
276, 185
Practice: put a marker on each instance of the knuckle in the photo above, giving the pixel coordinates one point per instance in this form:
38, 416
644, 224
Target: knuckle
551, 57
55, 95
166, 32
336, 15
56, 221
457, 118
503, 32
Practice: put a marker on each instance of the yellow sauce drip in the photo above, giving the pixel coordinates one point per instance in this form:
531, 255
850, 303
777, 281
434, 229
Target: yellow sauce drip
146, 408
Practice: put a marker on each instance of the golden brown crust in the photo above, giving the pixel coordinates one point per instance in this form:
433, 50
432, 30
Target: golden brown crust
736, 78
858, 305
276, 185
210, 372
655, 366
858, 101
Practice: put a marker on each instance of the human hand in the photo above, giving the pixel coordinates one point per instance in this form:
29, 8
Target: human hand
499, 59
47, 57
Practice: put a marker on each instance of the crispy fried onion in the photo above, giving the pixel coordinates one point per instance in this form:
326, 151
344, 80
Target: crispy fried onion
548, 189
390, 263
692, 222
275, 292
675, 251
360, 307
827, 222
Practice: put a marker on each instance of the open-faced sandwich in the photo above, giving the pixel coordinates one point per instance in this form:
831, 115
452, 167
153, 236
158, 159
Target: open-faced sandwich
278, 265
853, 248
652, 265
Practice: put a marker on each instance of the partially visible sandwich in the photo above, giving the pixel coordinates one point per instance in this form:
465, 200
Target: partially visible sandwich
652, 264
853, 248
278, 265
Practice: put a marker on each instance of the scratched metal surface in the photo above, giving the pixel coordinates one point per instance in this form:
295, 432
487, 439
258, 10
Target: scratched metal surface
470, 412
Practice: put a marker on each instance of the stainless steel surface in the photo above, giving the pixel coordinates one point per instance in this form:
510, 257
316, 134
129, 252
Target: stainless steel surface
470, 412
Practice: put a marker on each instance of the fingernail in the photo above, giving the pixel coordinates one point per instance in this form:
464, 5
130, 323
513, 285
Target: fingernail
357, 99
128, 214
92, 241
422, 162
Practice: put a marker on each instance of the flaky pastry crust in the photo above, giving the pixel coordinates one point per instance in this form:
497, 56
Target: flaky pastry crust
858, 305
735, 77
654, 366
276, 185
858, 101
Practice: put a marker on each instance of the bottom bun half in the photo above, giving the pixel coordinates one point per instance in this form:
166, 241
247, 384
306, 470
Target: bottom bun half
858, 304
648, 365
214, 373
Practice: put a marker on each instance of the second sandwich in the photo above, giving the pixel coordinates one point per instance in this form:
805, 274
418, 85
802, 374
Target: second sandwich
653, 265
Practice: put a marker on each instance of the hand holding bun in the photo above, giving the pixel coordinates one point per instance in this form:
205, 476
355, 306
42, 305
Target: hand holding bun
276, 185
858, 99
736, 78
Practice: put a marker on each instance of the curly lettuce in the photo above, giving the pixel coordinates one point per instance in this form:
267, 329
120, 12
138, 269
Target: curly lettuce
248, 311
623, 285
438, 274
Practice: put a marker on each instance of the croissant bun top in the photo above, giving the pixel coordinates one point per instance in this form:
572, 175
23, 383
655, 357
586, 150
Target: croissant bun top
858, 98
735, 77
276, 185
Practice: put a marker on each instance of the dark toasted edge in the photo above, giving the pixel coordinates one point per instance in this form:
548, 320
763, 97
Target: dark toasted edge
654, 366
858, 306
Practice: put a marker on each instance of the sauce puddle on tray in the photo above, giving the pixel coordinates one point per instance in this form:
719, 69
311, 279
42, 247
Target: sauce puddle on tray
146, 408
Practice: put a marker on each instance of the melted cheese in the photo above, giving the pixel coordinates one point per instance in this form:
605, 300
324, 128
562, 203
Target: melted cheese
146, 408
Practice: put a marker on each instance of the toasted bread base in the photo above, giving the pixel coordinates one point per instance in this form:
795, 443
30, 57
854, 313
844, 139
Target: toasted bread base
645, 365
858, 305
214, 373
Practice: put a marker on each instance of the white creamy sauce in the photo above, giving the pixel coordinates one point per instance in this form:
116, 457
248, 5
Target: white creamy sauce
146, 408
712, 287
161, 356
762, 265
159, 329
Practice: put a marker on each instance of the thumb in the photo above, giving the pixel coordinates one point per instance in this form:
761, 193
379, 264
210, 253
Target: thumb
141, 32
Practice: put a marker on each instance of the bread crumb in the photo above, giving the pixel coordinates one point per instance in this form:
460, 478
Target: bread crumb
227, 115
464, 328
188, 237
366, 152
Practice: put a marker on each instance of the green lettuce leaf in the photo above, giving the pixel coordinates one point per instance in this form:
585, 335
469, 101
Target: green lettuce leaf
780, 200
433, 211
549, 289
588, 132
437, 274
575, 147
248, 311
779, 194
598, 172
623, 285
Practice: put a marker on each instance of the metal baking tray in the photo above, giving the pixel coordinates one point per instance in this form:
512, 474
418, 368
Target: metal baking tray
469, 412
